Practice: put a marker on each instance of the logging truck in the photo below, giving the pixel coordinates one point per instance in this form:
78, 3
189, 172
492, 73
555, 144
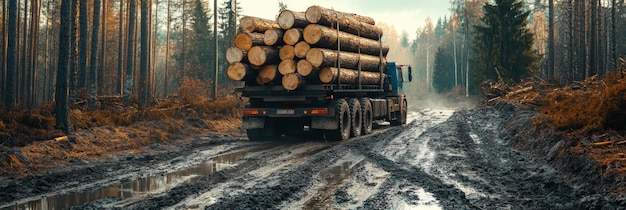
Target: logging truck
321, 71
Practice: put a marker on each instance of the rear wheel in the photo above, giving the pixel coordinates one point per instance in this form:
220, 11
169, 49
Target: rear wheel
367, 116
401, 115
256, 134
342, 115
356, 117
268, 133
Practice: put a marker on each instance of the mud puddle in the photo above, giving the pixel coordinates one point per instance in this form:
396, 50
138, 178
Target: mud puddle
131, 189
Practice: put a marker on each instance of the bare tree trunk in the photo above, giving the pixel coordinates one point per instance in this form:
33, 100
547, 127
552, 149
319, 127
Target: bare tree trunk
93, 68
167, 52
3, 73
47, 76
155, 45
593, 45
184, 38
144, 71
74, 58
9, 96
34, 46
24, 61
61, 107
551, 41
103, 47
613, 34
128, 85
82, 51
120, 51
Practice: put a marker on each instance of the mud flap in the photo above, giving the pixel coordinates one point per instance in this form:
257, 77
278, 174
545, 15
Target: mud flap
324, 123
253, 122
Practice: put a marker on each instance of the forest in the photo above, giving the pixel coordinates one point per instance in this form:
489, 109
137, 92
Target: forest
138, 53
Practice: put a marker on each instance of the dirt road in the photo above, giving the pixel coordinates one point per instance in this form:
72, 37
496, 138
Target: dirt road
442, 159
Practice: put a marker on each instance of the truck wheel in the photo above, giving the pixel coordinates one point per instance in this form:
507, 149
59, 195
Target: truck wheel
342, 115
356, 116
402, 115
368, 116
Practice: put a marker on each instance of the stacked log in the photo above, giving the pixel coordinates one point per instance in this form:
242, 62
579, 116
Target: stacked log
319, 46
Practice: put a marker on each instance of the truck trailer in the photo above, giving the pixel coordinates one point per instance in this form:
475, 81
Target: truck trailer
337, 111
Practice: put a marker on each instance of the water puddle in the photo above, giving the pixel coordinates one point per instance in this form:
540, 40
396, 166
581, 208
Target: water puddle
126, 190
338, 173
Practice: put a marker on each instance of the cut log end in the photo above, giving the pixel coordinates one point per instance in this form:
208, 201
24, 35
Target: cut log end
286, 19
292, 36
273, 37
292, 81
301, 49
315, 56
267, 74
234, 54
243, 41
286, 52
312, 34
313, 14
304, 68
287, 67
237, 71
261, 55
255, 24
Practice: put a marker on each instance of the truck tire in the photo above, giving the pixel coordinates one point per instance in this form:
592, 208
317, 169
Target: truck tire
402, 114
405, 111
342, 115
356, 117
367, 115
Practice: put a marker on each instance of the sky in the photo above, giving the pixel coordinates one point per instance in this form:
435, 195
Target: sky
404, 15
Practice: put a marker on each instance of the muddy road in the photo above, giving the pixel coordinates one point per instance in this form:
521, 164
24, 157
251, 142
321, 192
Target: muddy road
442, 159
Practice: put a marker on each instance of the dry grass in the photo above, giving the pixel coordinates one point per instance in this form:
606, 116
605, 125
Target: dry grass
28, 144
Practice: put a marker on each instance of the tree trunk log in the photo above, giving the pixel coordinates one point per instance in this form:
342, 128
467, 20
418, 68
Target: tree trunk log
316, 14
293, 36
289, 19
234, 54
347, 22
287, 52
273, 37
268, 75
241, 72
324, 37
305, 68
263, 55
255, 24
247, 40
287, 66
348, 76
301, 49
293, 81
321, 58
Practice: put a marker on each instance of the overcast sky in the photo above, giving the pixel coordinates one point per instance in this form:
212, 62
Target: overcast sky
407, 15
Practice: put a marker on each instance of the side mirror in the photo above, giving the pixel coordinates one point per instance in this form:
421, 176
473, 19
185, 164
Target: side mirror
410, 74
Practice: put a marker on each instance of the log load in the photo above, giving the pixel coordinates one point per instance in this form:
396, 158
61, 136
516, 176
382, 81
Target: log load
289, 19
347, 22
273, 37
305, 68
321, 58
286, 52
246, 40
268, 75
287, 66
301, 48
263, 55
324, 37
314, 14
293, 36
255, 24
234, 54
241, 72
293, 81
348, 76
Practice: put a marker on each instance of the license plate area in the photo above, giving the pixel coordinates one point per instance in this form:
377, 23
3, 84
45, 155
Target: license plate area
285, 111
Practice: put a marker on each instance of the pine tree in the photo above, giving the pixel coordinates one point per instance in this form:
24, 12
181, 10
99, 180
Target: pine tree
443, 74
503, 43
201, 47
